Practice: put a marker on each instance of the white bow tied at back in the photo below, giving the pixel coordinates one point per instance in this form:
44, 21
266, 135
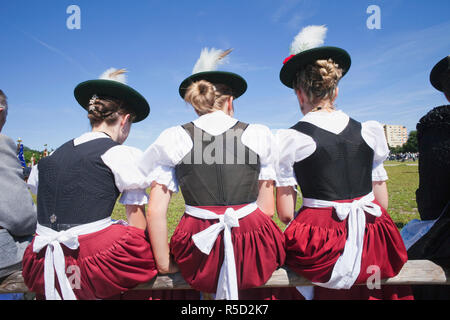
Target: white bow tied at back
227, 287
54, 255
347, 267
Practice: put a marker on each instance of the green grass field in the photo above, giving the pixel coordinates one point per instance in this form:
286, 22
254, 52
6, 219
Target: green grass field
402, 185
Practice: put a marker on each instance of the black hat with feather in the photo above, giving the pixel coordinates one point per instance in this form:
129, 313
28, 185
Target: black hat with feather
306, 49
206, 69
112, 83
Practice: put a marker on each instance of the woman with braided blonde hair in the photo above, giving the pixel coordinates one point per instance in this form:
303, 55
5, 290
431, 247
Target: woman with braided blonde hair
79, 252
342, 234
226, 241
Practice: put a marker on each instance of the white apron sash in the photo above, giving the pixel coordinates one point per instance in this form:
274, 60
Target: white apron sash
227, 287
347, 267
54, 255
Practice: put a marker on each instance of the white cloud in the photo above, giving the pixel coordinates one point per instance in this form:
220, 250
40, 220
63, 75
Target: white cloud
284, 8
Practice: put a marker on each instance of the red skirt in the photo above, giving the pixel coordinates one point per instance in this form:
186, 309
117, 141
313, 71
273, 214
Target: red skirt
258, 248
315, 239
110, 261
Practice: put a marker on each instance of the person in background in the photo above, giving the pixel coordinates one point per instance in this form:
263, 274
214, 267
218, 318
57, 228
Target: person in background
17, 210
429, 237
32, 160
343, 231
77, 188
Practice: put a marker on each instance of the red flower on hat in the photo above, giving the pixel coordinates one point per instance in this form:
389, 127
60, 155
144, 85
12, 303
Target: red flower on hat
288, 58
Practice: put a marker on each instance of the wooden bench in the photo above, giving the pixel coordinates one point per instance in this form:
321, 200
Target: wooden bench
414, 272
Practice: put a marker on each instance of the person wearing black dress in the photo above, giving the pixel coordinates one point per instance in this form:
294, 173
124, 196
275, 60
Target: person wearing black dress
429, 237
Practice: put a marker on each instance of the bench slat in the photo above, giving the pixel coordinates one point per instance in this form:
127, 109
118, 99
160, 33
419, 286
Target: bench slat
413, 272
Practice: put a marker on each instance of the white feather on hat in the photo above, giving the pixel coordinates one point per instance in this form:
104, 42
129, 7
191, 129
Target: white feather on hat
308, 38
115, 74
210, 59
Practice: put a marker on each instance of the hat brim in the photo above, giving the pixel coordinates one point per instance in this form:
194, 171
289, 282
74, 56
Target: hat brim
110, 88
438, 70
237, 84
297, 62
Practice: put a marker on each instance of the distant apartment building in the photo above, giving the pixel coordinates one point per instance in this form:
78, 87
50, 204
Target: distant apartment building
396, 135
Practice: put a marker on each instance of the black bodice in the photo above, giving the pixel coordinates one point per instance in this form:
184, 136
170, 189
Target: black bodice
219, 170
75, 185
433, 134
341, 166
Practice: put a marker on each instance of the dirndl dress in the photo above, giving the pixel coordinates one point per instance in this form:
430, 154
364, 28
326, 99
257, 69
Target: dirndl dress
341, 239
79, 252
106, 264
224, 244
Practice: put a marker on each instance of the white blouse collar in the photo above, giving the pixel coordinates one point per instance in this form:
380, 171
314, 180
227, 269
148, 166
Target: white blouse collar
334, 121
88, 136
215, 123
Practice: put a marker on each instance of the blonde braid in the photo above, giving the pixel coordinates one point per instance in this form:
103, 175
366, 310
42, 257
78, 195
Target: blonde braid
319, 80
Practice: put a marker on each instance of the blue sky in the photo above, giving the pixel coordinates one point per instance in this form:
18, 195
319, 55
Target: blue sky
159, 42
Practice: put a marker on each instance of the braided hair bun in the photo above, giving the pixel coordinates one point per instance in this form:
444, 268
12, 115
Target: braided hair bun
206, 97
106, 109
319, 80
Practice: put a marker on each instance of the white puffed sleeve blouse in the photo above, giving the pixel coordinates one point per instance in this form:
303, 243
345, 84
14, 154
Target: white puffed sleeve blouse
159, 160
294, 146
121, 160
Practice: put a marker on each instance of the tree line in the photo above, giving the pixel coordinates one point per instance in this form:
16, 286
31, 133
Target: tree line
411, 145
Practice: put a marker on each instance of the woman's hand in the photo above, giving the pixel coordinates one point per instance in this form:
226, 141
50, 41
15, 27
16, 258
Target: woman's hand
173, 267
